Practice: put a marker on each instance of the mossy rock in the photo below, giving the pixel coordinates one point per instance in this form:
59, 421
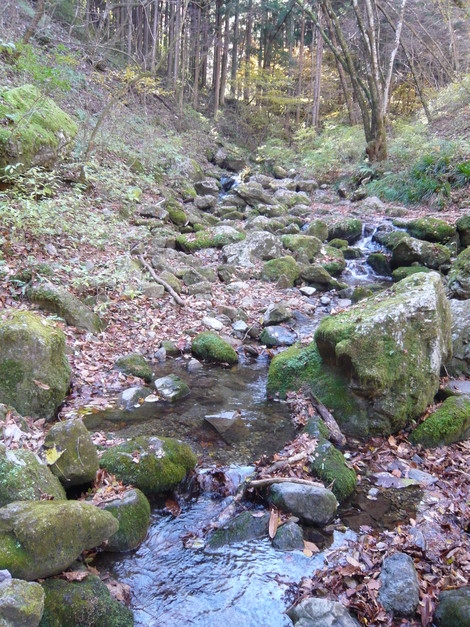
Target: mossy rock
171, 349
332, 260
339, 243
33, 129
459, 276
430, 229
330, 465
453, 608
42, 538
135, 365
154, 465
177, 216
34, 371
380, 264
133, 513
78, 461
349, 229
360, 293
352, 253
317, 228
283, 266
23, 477
450, 423
21, 603
463, 227
411, 250
59, 301
86, 603
172, 280
217, 237
401, 273
308, 245
390, 239
210, 347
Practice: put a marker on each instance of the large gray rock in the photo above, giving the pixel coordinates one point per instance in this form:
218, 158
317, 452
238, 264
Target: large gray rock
207, 187
275, 314
172, 388
253, 194
277, 336
290, 198
21, 603
23, 477
312, 504
132, 510
400, 587
453, 608
459, 276
258, 246
410, 250
42, 538
463, 228
321, 613
460, 362
349, 229
34, 371
78, 461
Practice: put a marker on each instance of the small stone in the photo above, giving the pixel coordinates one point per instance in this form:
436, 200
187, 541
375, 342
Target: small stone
321, 613
21, 603
289, 537
245, 526
240, 327
212, 323
160, 355
153, 291
308, 291
277, 336
344, 302
400, 588
325, 301
275, 314
193, 365
133, 397
312, 504
172, 388
453, 609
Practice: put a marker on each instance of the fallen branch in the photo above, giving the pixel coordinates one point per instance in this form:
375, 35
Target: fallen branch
160, 281
282, 463
335, 432
260, 483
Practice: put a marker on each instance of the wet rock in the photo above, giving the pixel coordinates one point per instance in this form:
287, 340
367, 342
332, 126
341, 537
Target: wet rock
172, 388
317, 228
86, 603
23, 477
135, 365
210, 347
313, 505
330, 465
429, 229
34, 371
349, 229
460, 362
463, 228
258, 246
450, 423
399, 593
459, 276
59, 301
132, 511
133, 397
289, 537
380, 264
340, 244
42, 538
277, 336
78, 461
275, 314
321, 613
453, 608
21, 603
193, 366
207, 187
332, 260
245, 526
318, 276
410, 250
283, 266
224, 421
154, 465
170, 348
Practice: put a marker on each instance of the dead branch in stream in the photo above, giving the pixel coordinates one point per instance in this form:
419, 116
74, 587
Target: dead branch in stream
335, 432
260, 483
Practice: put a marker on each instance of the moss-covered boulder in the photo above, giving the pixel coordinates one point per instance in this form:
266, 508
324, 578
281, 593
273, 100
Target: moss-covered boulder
349, 229
21, 603
330, 465
317, 228
245, 526
307, 245
401, 273
34, 371
284, 266
453, 608
463, 228
289, 537
360, 293
411, 250
459, 276
430, 229
332, 259
154, 465
460, 363
380, 264
78, 461
23, 477
135, 365
59, 301
86, 603
450, 423
217, 237
210, 347
320, 278
133, 513
33, 129
42, 538
389, 238
341, 244
391, 348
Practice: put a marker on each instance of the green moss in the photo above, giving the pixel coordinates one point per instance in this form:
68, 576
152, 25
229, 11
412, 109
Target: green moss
339, 243
450, 423
135, 365
31, 122
177, 216
161, 464
86, 603
360, 293
316, 428
210, 347
287, 266
306, 244
332, 260
390, 239
379, 263
330, 465
318, 228
349, 229
133, 513
430, 229
207, 239
401, 273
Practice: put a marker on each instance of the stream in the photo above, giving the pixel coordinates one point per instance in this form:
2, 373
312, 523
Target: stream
174, 578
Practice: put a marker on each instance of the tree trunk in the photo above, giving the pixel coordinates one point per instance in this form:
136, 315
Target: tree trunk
234, 68
224, 69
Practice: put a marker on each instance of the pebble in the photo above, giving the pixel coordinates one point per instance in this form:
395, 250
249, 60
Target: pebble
344, 302
212, 323
325, 300
193, 365
308, 291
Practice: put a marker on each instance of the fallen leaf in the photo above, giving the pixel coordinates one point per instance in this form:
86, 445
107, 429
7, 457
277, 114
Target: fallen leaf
273, 523
52, 455
75, 575
41, 385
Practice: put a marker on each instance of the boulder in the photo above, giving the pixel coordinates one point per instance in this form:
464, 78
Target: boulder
275, 314
78, 461
458, 281
332, 260
306, 185
258, 246
135, 365
172, 388
34, 130
207, 187
410, 250
317, 228
317, 276
313, 505
229, 161
290, 198
253, 194
210, 347
321, 613
450, 423
132, 511
21, 603
283, 266
453, 608
460, 363
463, 228
204, 203
399, 592
86, 603
429, 229
401, 273
307, 245
330, 465
59, 301
245, 526
42, 538
349, 229
154, 465
34, 371
289, 537
216, 237
273, 336
133, 397
23, 477
380, 264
